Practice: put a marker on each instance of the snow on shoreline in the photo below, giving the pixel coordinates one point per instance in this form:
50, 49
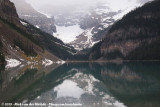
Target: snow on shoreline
60, 62
47, 62
12, 63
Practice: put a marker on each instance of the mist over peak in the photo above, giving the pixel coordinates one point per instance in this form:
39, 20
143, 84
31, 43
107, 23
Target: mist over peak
113, 4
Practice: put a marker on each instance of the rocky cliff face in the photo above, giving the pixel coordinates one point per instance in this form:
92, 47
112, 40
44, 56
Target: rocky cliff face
26, 12
134, 37
8, 12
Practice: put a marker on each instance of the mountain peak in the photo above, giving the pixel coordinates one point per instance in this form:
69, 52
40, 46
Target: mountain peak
8, 12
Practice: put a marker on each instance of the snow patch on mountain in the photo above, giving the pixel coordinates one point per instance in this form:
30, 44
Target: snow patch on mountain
85, 40
124, 12
68, 33
47, 15
37, 26
102, 10
23, 23
27, 15
90, 38
116, 5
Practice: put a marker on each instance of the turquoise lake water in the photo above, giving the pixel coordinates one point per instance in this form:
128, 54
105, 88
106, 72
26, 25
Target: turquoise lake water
83, 85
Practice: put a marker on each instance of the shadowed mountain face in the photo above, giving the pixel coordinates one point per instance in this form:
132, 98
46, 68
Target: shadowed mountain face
18, 45
21, 39
25, 11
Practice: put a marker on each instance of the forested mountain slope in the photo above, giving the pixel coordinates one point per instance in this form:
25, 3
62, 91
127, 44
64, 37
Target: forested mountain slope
22, 42
51, 43
17, 45
135, 37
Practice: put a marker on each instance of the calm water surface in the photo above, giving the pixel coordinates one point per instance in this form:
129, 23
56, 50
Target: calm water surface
83, 85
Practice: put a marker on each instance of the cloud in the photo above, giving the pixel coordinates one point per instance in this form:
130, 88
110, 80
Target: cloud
62, 2
113, 4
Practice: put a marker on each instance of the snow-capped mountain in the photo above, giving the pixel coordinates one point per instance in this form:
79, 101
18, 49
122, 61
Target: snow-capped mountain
83, 25
97, 24
78, 27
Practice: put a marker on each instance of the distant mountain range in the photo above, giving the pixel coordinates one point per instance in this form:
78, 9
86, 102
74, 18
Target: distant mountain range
82, 27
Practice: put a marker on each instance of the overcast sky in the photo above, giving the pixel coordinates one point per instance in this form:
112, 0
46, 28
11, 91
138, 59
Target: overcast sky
114, 4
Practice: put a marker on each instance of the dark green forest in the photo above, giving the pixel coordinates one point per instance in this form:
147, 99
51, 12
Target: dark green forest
146, 52
55, 45
51, 43
2, 58
28, 49
22, 32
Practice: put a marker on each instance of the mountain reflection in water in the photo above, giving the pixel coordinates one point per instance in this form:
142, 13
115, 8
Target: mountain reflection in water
89, 84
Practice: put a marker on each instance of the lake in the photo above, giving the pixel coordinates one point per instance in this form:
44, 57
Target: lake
135, 84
